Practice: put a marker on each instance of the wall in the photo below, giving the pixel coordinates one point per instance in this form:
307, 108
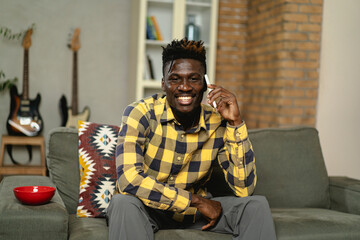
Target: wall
268, 52
338, 111
282, 61
269, 55
102, 58
231, 46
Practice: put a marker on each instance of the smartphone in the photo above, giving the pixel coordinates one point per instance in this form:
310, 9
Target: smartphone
209, 90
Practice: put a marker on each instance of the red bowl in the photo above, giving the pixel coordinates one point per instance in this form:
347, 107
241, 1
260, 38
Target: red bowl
34, 195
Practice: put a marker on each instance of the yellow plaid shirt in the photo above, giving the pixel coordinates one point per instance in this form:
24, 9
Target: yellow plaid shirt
161, 164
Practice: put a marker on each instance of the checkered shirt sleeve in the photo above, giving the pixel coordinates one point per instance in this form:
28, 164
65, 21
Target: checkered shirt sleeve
238, 161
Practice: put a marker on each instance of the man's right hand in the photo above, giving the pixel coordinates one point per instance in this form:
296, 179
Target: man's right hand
210, 209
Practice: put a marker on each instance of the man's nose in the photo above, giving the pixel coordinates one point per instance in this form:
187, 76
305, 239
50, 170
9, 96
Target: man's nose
185, 85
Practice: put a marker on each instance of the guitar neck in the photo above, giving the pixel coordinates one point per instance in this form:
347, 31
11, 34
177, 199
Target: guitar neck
25, 94
74, 104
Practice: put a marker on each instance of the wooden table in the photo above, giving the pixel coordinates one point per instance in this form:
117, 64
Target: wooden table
23, 169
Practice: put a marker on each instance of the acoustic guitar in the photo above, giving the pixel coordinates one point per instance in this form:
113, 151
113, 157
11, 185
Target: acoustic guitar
70, 115
24, 117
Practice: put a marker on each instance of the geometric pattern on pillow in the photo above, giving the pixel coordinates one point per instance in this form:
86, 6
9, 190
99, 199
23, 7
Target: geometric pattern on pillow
97, 144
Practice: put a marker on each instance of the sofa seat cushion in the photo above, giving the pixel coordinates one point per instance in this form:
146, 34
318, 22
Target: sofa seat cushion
190, 234
96, 228
87, 228
315, 223
19, 221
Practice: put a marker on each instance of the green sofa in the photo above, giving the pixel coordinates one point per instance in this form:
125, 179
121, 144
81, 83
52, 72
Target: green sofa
305, 202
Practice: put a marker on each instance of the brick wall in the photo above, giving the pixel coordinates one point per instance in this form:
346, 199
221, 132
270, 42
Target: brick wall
231, 51
268, 53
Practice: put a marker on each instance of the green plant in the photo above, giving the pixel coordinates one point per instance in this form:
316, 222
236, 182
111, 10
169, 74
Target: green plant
6, 33
8, 83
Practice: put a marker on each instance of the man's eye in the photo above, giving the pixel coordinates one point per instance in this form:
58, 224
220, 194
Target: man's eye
194, 79
174, 79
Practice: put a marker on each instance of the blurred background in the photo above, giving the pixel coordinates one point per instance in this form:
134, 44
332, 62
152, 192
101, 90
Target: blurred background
290, 63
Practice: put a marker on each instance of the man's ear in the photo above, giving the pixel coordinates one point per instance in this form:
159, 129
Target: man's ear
162, 84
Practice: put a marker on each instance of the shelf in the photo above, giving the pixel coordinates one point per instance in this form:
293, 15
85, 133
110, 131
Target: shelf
198, 4
171, 17
152, 83
156, 42
160, 1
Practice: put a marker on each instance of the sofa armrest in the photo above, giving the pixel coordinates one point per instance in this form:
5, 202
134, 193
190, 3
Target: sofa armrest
19, 221
345, 194
10, 182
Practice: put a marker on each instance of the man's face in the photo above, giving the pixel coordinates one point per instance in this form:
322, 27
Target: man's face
184, 84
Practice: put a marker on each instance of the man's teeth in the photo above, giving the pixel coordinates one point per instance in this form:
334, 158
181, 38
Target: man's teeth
184, 98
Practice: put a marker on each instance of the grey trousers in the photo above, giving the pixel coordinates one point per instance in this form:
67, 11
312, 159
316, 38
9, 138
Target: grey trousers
245, 218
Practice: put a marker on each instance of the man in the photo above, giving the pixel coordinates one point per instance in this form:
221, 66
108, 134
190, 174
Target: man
166, 147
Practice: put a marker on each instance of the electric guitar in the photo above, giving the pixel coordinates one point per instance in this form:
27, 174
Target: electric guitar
70, 115
24, 117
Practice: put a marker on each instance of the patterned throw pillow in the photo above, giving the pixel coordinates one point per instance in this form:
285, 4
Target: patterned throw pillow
97, 143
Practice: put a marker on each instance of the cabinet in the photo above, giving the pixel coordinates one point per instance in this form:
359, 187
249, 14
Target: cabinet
171, 16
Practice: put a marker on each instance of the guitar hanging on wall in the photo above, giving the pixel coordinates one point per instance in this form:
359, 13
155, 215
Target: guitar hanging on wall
24, 117
70, 115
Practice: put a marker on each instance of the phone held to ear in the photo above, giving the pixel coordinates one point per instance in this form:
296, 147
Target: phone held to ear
209, 89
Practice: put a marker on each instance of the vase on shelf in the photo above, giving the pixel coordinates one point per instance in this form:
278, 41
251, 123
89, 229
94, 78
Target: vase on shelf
192, 31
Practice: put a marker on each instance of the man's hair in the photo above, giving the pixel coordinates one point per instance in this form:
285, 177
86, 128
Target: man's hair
184, 49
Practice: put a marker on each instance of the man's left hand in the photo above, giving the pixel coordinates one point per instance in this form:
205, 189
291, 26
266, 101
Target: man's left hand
226, 104
209, 209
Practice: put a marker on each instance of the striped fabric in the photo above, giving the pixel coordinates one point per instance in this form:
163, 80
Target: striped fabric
161, 164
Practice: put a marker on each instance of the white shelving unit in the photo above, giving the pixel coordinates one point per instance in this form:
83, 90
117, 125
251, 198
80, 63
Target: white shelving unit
171, 16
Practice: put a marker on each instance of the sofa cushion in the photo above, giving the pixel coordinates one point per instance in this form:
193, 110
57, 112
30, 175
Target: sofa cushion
97, 144
190, 234
95, 228
290, 167
87, 228
315, 224
63, 164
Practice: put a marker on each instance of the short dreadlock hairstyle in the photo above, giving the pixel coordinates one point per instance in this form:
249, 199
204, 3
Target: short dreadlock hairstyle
185, 49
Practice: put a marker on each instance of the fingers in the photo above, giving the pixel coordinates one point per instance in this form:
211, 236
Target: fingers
209, 225
224, 101
213, 95
211, 86
226, 104
209, 209
217, 92
221, 97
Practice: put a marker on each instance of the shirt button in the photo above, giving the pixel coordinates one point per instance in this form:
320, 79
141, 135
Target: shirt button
182, 135
171, 178
178, 158
238, 134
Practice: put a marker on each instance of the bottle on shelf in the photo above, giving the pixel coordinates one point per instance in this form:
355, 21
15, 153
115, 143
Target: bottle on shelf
192, 31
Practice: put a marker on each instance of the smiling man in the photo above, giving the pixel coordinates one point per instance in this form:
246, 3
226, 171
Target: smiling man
166, 148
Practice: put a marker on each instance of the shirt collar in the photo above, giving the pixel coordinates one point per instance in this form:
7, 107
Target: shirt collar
168, 116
